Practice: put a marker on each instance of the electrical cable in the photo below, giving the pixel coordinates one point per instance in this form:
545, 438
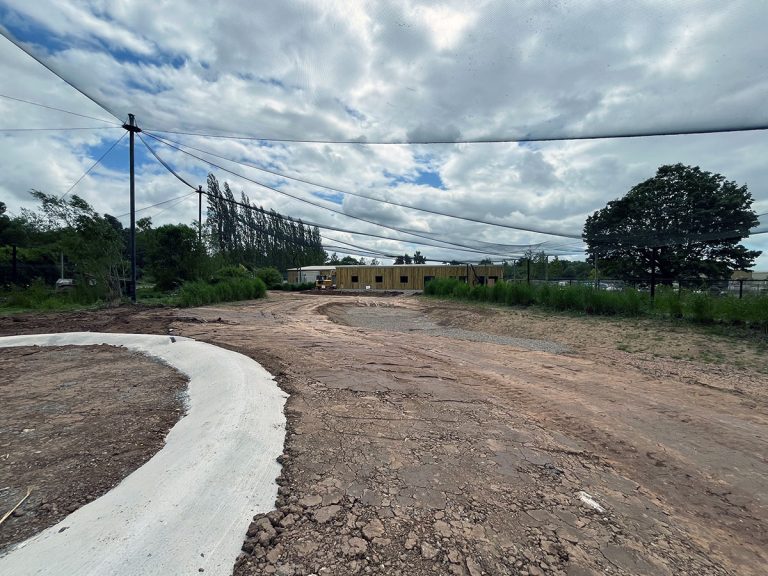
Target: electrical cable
50, 68
93, 165
57, 109
58, 129
359, 195
157, 204
250, 207
315, 204
522, 139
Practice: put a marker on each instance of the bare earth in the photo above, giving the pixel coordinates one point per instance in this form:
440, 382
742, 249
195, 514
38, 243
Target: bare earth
75, 421
428, 437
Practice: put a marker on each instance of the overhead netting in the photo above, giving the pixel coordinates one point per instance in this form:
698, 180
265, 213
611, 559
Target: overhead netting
233, 85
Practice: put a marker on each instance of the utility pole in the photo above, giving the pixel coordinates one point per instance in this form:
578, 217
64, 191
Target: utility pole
132, 129
200, 213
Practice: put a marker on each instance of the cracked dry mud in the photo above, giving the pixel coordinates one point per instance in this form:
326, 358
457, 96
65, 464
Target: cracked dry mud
412, 452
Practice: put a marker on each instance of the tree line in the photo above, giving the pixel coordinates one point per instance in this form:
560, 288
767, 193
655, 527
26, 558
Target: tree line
94, 248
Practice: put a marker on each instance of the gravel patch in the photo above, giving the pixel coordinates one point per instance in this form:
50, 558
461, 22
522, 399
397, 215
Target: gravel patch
395, 319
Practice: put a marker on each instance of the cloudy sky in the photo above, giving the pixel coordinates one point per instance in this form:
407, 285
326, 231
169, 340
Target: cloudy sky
390, 79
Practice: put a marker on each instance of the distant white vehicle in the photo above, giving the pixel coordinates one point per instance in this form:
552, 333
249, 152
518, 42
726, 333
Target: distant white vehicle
63, 284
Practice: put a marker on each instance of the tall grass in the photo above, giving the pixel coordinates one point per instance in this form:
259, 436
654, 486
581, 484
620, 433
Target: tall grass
227, 289
750, 311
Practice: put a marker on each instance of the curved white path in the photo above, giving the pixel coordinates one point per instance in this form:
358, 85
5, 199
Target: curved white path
189, 506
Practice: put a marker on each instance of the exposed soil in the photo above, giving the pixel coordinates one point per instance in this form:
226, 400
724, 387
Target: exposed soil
76, 420
416, 452
428, 437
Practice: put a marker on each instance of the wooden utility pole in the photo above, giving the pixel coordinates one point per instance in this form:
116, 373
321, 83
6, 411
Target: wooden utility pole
132, 129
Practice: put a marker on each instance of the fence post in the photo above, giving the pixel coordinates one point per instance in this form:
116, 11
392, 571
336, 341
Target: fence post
741, 288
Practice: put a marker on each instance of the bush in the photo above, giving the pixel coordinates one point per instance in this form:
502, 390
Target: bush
270, 276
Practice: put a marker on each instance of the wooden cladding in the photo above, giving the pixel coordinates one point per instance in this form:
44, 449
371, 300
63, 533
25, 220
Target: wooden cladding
412, 277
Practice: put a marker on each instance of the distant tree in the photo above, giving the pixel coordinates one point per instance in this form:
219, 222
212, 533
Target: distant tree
374, 262
90, 241
333, 259
683, 223
175, 255
418, 258
348, 261
486, 261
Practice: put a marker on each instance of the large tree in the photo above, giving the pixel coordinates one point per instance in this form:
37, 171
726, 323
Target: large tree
684, 223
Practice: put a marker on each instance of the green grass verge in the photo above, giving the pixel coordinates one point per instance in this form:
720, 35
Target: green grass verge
750, 311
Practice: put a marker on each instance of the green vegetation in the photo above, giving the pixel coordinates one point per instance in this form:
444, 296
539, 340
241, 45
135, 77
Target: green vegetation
751, 311
200, 293
683, 224
67, 238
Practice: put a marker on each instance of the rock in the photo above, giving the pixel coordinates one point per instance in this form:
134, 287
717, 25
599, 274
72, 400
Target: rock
428, 551
443, 528
266, 536
474, 567
410, 541
274, 555
306, 548
454, 557
285, 570
354, 546
311, 500
382, 541
288, 521
324, 514
535, 571
374, 529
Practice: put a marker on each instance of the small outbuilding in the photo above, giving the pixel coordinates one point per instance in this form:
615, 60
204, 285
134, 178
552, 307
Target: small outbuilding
310, 274
413, 276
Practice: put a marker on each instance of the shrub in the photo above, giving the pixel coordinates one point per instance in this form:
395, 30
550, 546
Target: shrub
270, 276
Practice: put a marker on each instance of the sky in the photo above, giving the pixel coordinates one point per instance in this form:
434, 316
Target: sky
389, 79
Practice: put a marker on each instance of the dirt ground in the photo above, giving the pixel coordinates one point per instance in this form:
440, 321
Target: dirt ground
76, 420
436, 438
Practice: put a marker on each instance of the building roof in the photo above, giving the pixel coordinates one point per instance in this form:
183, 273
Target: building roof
413, 265
313, 268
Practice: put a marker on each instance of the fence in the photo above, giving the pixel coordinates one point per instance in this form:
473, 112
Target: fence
737, 288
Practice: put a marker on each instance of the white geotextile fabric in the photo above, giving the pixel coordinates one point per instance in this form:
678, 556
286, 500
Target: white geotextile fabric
189, 506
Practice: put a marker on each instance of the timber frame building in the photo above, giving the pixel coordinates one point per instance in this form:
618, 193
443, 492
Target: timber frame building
413, 276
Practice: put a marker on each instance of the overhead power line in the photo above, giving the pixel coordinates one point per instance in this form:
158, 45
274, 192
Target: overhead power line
522, 139
93, 165
327, 208
58, 129
177, 146
50, 68
182, 197
30, 102
327, 227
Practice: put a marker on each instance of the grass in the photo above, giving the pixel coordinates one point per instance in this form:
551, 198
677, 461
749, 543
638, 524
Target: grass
200, 292
750, 312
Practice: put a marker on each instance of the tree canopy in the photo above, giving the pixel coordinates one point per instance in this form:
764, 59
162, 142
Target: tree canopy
684, 224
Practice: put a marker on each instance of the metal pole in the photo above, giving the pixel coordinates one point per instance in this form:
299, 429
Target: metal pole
653, 272
132, 129
528, 261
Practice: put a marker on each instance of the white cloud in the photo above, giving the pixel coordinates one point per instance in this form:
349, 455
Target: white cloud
425, 70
